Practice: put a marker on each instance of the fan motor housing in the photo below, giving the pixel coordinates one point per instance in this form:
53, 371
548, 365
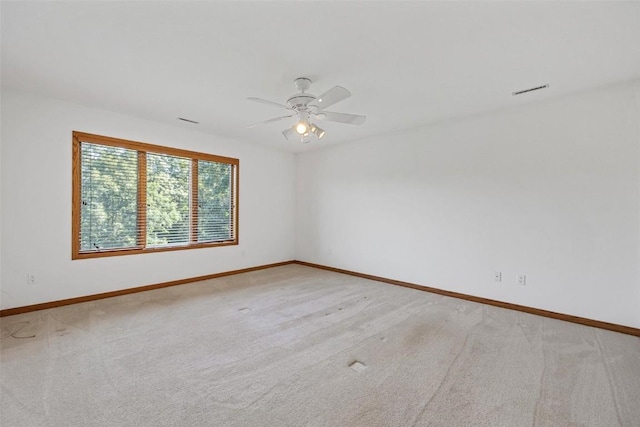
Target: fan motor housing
300, 101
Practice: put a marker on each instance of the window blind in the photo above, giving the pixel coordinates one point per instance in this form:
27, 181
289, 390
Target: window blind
168, 200
109, 201
215, 202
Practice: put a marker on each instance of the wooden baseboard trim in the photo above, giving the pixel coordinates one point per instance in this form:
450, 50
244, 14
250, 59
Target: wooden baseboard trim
52, 304
537, 311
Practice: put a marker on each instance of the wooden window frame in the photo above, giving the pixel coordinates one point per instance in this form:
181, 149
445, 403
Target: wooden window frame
142, 149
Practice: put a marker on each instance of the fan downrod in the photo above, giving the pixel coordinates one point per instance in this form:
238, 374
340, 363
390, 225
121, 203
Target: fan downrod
302, 83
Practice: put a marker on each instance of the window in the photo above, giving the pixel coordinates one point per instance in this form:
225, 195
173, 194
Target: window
131, 198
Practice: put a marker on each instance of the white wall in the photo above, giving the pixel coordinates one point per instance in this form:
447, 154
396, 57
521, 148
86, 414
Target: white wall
36, 204
550, 190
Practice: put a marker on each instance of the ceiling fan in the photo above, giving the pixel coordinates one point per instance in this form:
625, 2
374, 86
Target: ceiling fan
307, 108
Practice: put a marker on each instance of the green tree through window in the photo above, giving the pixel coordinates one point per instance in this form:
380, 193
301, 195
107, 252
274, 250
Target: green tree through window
130, 197
109, 198
214, 201
168, 207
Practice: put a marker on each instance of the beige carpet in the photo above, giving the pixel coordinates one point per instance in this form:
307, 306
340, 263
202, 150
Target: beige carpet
297, 346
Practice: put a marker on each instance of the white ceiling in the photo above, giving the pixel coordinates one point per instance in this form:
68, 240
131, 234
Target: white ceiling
406, 63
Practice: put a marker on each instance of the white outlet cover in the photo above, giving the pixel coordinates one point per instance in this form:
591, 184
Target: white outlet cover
522, 279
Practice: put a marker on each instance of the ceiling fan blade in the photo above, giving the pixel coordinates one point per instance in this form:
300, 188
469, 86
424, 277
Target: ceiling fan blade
290, 133
330, 97
352, 119
267, 102
277, 119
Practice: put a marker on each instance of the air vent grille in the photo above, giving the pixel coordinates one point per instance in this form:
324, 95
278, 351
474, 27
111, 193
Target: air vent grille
520, 92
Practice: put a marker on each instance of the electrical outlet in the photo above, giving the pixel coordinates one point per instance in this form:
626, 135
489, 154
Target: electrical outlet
32, 279
522, 279
497, 276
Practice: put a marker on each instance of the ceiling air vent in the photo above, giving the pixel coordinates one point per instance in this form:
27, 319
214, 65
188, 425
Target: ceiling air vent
520, 92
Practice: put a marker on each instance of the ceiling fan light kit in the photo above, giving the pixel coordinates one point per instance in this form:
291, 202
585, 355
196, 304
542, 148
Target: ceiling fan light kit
307, 107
